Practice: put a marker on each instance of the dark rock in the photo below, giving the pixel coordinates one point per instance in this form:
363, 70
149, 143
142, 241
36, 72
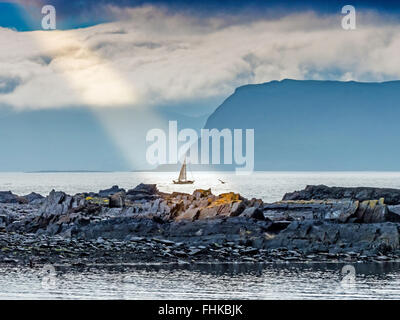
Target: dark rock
108, 192
33, 196
88, 208
208, 213
116, 200
58, 202
349, 211
278, 226
149, 189
190, 214
53, 229
341, 210
322, 192
135, 239
293, 211
250, 251
200, 193
349, 236
8, 197
394, 213
237, 208
143, 192
164, 241
253, 212
255, 203
194, 252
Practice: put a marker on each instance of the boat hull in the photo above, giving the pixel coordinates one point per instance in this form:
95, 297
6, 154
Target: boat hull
183, 182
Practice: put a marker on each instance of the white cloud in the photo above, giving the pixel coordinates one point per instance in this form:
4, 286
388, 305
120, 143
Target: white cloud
151, 57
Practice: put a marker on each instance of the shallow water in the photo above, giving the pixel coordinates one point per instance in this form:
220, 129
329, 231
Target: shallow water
269, 186
224, 281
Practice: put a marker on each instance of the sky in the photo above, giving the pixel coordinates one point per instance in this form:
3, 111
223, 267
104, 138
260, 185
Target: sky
140, 53
129, 57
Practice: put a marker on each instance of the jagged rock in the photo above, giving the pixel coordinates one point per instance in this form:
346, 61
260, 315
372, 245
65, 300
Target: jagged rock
155, 207
255, 203
344, 211
144, 188
208, 213
394, 213
116, 200
203, 205
220, 207
237, 208
321, 236
201, 193
225, 210
190, 214
8, 197
108, 192
348, 212
394, 209
253, 212
295, 210
164, 208
277, 226
58, 202
177, 209
143, 192
33, 196
322, 192
180, 195
374, 212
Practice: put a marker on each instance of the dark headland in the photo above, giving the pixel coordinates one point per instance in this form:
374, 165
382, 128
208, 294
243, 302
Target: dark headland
144, 225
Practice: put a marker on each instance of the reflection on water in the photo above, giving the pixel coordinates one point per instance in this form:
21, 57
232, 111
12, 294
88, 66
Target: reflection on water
204, 281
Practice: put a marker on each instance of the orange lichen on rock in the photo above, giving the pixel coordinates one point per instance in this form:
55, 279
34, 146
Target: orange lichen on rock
201, 193
225, 198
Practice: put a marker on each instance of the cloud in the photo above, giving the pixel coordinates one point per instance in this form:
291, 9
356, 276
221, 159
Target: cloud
154, 57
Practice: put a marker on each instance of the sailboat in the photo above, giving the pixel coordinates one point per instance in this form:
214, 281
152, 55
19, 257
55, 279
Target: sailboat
182, 175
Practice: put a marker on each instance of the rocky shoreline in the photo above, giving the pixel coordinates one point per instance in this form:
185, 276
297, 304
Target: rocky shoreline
144, 225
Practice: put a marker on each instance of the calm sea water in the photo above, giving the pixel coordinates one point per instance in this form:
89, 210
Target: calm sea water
269, 186
239, 281
230, 281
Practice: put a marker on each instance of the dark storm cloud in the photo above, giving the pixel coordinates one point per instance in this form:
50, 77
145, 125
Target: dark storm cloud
78, 13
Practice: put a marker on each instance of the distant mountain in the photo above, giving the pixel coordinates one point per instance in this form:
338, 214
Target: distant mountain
299, 125
317, 125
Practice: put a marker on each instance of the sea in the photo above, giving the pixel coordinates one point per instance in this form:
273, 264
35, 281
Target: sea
202, 280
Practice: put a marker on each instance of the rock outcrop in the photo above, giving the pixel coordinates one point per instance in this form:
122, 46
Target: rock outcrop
9, 197
116, 200
33, 196
322, 192
61, 213
331, 227
202, 204
313, 237
58, 203
109, 192
368, 211
143, 192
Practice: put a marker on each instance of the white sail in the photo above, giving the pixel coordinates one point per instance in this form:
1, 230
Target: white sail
182, 173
